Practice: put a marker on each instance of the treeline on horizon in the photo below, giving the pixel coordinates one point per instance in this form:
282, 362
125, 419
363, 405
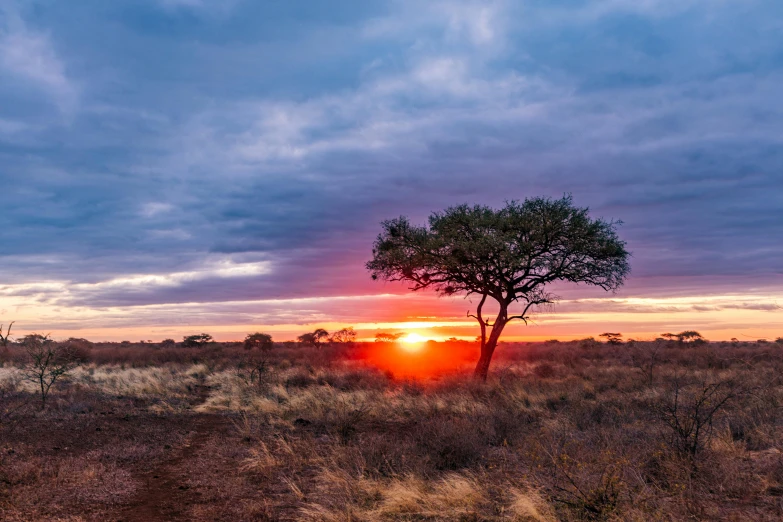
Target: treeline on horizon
348, 336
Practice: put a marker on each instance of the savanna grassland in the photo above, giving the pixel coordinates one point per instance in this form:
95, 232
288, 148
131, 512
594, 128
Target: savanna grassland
560, 431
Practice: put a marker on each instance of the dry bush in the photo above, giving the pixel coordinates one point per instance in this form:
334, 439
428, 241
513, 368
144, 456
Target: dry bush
596, 435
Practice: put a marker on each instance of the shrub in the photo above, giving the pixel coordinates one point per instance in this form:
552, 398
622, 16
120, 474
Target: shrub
451, 443
48, 362
195, 341
79, 350
168, 343
544, 370
689, 410
259, 340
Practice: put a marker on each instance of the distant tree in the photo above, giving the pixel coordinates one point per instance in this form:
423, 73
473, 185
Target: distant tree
5, 339
195, 341
779, 340
734, 340
315, 338
669, 336
260, 341
48, 361
690, 336
383, 337
612, 338
508, 255
168, 343
343, 336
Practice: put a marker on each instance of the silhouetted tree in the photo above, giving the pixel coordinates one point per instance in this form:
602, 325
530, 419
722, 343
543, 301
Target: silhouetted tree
384, 337
690, 336
259, 340
343, 336
5, 339
195, 341
168, 343
319, 336
612, 338
508, 255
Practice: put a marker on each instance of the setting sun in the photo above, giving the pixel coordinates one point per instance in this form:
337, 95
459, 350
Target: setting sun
413, 338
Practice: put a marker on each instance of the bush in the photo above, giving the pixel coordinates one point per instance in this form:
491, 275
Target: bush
79, 350
544, 370
451, 443
259, 341
195, 341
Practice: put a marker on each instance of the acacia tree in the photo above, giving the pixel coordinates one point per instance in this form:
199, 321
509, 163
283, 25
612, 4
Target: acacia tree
343, 336
259, 340
509, 255
316, 338
612, 338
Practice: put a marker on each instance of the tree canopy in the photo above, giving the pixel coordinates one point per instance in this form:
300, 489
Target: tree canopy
509, 255
315, 338
259, 340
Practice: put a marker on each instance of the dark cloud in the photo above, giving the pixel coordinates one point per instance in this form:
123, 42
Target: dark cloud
155, 135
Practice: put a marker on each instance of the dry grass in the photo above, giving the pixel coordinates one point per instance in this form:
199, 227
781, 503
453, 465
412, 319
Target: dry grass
560, 432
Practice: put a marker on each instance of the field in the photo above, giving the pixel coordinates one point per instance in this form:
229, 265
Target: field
561, 431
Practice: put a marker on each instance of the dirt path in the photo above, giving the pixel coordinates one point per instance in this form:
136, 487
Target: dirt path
165, 495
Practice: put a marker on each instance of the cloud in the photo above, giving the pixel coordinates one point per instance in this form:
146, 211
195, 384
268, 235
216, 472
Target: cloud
154, 208
254, 133
30, 55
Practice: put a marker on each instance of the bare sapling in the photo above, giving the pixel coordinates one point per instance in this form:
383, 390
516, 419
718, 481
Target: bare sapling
5, 339
48, 362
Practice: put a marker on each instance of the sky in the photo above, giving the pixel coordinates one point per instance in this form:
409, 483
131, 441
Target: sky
175, 166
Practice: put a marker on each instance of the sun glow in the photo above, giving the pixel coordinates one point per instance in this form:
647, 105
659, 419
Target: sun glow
413, 338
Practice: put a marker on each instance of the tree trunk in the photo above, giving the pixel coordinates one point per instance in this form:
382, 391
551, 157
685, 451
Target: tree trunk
482, 367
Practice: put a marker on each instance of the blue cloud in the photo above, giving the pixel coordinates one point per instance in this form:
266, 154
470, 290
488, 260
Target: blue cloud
145, 137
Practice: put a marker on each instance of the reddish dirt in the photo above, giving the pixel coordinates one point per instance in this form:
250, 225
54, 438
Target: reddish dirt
166, 494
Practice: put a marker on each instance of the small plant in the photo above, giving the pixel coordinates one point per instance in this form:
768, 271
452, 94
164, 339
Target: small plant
646, 360
344, 336
48, 362
196, 341
612, 338
260, 341
690, 410
254, 371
